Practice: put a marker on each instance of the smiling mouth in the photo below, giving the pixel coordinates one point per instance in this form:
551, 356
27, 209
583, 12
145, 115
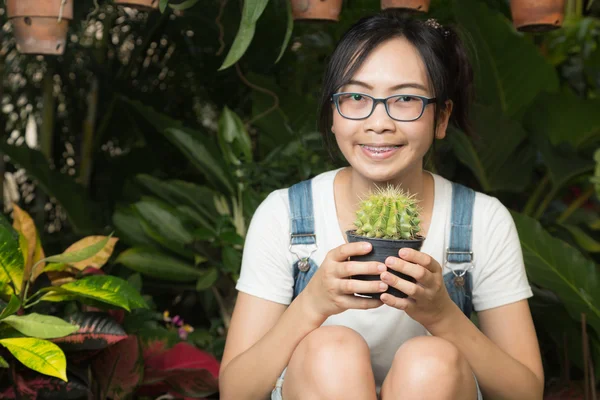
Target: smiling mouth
379, 149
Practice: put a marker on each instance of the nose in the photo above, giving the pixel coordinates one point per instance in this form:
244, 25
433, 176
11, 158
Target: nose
379, 121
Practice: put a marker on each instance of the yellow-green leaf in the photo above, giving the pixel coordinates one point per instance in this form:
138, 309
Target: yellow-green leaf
11, 258
23, 223
40, 355
97, 260
107, 289
81, 254
3, 363
41, 326
583, 239
11, 308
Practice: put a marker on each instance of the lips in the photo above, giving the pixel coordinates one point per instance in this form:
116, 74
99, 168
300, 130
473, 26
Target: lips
379, 152
379, 149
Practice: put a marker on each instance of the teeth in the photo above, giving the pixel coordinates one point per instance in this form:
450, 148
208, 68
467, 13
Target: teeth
377, 149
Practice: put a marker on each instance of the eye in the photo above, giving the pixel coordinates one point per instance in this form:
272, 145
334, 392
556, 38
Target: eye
405, 99
356, 96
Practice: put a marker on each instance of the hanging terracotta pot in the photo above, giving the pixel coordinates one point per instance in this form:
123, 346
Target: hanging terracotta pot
415, 5
324, 10
40, 26
537, 15
139, 4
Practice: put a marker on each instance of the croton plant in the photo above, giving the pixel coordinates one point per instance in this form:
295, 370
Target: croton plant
70, 331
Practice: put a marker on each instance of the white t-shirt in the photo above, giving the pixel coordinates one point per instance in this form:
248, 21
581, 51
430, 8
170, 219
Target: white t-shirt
498, 274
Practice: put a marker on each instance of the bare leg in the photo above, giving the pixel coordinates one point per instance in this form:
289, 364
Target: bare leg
427, 367
332, 362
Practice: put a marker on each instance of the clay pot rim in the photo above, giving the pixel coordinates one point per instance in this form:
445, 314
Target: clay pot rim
45, 10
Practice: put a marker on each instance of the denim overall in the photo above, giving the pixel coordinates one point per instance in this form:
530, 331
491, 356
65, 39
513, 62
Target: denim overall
459, 283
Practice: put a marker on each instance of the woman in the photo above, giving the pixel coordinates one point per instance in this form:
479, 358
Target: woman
330, 344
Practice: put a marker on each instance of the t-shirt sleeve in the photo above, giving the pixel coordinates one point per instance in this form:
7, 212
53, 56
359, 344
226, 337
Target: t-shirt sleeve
501, 278
266, 271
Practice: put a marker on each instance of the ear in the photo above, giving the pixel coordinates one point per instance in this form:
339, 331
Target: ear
332, 130
443, 121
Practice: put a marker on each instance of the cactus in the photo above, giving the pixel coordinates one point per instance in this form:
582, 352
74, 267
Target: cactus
388, 213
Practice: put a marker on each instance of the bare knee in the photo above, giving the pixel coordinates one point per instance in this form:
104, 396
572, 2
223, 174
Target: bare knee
428, 362
326, 360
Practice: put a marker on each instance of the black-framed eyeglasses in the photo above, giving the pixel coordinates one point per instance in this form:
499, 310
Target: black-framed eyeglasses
399, 107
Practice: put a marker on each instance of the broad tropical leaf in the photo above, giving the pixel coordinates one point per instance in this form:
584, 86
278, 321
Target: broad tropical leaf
195, 383
584, 240
40, 355
107, 289
250, 14
553, 264
23, 223
208, 278
79, 253
159, 265
40, 326
565, 118
234, 139
12, 263
97, 330
511, 70
129, 228
35, 386
499, 157
120, 368
12, 307
71, 196
98, 259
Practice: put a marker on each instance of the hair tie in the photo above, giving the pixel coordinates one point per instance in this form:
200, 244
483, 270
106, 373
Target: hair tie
433, 23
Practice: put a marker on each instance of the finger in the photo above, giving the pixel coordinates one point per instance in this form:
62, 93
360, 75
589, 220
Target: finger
351, 286
421, 274
397, 302
410, 289
341, 253
351, 268
417, 257
361, 303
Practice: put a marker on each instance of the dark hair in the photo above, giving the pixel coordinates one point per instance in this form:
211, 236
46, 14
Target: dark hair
442, 50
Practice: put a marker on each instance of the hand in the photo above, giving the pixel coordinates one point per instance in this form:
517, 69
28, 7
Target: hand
331, 289
428, 301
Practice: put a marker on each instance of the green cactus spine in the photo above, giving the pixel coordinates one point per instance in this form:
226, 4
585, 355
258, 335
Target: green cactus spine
388, 213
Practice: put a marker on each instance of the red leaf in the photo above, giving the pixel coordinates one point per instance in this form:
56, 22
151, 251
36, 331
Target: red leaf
184, 356
194, 383
121, 366
97, 331
33, 386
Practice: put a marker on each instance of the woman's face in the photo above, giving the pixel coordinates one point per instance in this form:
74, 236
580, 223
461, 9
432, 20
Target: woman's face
380, 148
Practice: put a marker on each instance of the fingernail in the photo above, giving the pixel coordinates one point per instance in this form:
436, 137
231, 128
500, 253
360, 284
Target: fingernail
403, 253
384, 275
381, 268
367, 246
390, 260
382, 286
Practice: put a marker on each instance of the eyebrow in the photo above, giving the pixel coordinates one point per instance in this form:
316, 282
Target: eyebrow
413, 85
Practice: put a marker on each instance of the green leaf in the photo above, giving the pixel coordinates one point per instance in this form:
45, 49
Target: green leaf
73, 198
232, 259
553, 264
511, 70
80, 255
234, 139
11, 308
162, 5
3, 363
107, 289
498, 157
208, 279
158, 265
56, 267
250, 15
12, 263
40, 355
41, 326
289, 29
564, 117
583, 239
129, 227
135, 280
184, 5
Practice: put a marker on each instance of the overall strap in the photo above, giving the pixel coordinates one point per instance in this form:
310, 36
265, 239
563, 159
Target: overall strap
302, 233
459, 282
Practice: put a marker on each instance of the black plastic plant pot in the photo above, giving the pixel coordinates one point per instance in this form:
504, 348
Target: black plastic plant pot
382, 249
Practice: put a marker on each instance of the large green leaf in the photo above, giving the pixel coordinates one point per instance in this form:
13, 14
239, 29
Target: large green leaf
129, 227
553, 264
41, 326
234, 139
208, 278
158, 265
71, 196
250, 14
511, 70
165, 225
12, 263
289, 28
11, 308
564, 117
40, 355
499, 156
80, 255
176, 193
107, 289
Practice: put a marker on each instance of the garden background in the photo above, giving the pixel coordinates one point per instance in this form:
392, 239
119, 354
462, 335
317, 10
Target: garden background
140, 152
